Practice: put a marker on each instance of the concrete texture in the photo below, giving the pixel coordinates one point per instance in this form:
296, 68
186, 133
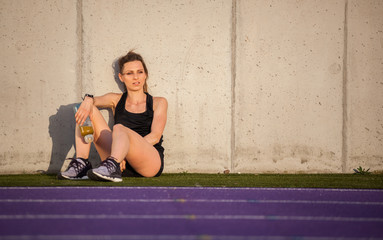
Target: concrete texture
289, 86
365, 85
186, 46
38, 81
252, 85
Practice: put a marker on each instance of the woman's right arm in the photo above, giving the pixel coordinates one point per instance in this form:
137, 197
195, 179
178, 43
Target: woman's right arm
108, 100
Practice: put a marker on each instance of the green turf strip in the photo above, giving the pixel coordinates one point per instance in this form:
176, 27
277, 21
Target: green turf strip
371, 181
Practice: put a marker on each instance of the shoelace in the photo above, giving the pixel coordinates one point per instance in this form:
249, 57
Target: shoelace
75, 164
109, 165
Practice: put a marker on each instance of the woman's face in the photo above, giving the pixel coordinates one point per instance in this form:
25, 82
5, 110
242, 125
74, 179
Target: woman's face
133, 75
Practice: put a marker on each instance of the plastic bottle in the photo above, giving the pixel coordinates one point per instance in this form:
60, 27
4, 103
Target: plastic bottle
87, 128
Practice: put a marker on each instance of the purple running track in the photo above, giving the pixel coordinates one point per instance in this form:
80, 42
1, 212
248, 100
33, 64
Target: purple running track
189, 213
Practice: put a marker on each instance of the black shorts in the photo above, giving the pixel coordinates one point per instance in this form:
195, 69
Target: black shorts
130, 172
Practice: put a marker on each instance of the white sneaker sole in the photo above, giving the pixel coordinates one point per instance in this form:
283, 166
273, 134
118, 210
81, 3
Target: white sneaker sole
107, 178
69, 178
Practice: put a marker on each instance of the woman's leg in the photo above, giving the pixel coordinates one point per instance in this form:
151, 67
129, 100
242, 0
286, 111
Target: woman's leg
82, 148
102, 134
78, 168
102, 137
140, 154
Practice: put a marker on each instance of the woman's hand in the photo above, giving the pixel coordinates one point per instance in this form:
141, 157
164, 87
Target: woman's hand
123, 165
85, 110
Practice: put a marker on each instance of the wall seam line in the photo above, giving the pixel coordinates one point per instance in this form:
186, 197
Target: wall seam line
233, 79
80, 47
345, 93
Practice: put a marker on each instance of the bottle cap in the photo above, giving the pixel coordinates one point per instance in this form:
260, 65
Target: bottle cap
88, 138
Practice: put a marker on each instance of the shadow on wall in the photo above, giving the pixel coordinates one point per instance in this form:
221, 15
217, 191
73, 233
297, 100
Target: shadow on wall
116, 71
61, 130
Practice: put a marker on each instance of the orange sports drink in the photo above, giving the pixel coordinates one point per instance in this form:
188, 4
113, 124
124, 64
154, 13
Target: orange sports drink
86, 129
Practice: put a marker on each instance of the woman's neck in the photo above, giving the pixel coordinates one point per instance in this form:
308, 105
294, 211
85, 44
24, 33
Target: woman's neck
136, 97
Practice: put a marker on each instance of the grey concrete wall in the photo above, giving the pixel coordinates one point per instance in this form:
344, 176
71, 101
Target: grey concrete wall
289, 86
365, 84
39, 59
252, 85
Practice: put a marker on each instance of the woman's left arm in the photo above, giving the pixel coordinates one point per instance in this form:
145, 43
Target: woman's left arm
160, 108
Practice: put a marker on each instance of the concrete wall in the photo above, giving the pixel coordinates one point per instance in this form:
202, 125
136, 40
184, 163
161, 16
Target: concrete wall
39, 78
252, 85
365, 84
289, 86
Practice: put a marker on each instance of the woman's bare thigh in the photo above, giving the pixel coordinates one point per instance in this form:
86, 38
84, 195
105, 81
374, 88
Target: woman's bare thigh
142, 156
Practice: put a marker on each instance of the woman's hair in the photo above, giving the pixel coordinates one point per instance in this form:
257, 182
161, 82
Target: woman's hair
130, 57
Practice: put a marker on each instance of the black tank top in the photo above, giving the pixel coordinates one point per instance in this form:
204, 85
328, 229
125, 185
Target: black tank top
141, 123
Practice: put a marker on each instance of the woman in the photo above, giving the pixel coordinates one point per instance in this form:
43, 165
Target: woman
133, 148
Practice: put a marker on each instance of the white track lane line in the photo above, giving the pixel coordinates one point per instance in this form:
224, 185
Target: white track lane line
185, 217
182, 200
168, 237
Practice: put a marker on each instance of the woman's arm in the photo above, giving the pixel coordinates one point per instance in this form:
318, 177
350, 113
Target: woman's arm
108, 100
160, 107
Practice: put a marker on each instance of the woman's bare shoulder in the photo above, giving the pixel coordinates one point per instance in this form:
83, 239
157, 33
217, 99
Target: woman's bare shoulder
159, 102
115, 97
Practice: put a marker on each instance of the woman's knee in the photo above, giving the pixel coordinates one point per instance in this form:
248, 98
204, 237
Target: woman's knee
119, 127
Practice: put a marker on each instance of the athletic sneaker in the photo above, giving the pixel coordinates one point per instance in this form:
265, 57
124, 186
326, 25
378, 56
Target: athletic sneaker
76, 170
109, 170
